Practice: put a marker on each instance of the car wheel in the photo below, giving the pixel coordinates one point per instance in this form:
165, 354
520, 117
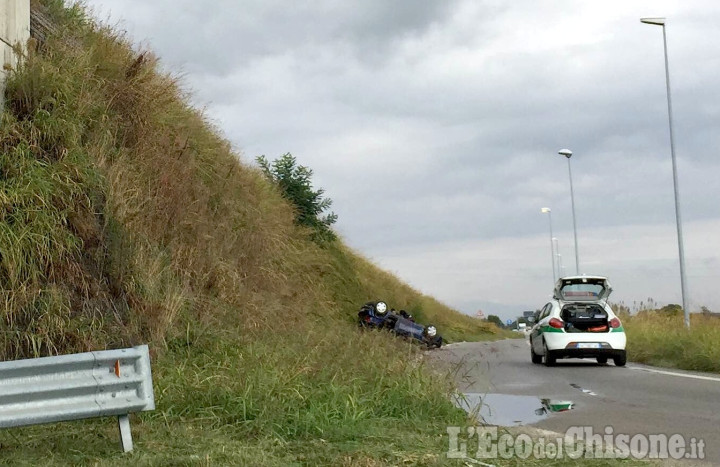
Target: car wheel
621, 359
549, 359
533, 356
602, 360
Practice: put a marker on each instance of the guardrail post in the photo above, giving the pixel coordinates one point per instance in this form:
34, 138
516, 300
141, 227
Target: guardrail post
125, 434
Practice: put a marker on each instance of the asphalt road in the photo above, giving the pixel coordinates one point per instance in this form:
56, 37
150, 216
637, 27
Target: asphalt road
634, 399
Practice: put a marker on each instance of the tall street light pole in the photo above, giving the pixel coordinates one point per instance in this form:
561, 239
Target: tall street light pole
552, 248
568, 154
681, 250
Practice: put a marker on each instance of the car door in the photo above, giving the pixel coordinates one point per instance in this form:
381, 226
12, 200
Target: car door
536, 334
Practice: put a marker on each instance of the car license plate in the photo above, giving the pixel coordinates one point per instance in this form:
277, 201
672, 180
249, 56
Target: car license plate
588, 345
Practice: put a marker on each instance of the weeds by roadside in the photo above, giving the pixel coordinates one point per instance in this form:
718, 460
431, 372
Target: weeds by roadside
316, 397
663, 340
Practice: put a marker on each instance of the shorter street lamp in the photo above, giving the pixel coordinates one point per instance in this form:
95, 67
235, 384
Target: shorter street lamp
552, 249
557, 255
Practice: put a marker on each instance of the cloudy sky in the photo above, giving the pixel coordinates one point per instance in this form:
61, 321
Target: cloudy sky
435, 125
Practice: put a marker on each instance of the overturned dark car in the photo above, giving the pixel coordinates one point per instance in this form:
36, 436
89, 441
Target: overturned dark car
378, 315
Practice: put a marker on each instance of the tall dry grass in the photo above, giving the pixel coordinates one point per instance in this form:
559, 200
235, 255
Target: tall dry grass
658, 339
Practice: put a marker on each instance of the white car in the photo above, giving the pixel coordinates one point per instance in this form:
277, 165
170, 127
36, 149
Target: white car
578, 323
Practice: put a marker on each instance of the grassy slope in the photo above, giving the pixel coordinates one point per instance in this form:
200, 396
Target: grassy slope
126, 219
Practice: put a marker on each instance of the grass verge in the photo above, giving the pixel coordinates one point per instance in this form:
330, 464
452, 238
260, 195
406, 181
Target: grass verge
340, 398
662, 340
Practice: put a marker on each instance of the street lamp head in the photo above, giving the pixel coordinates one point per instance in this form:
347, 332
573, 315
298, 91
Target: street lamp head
655, 21
544, 210
565, 152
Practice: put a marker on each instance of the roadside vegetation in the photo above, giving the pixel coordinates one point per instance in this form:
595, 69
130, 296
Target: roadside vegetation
659, 337
126, 219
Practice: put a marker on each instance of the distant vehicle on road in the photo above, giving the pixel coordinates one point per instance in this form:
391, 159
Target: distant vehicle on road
578, 323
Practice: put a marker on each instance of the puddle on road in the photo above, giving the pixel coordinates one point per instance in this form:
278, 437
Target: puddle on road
509, 410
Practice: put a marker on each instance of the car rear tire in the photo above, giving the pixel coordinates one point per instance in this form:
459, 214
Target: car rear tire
548, 358
537, 359
621, 359
602, 360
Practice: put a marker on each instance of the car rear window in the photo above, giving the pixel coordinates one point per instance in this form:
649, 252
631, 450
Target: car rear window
582, 291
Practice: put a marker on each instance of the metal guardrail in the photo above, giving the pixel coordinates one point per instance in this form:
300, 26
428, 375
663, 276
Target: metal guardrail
71, 387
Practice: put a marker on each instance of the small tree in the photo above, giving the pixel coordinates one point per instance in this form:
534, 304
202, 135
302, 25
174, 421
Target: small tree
495, 319
296, 186
672, 309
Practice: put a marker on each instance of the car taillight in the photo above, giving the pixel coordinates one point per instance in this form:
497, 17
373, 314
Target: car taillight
615, 323
556, 323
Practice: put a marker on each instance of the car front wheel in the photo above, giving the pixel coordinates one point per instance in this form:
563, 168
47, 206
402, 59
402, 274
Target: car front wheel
602, 360
533, 356
549, 359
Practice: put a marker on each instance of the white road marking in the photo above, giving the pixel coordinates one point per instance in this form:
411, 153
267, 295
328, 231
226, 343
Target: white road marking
585, 391
672, 373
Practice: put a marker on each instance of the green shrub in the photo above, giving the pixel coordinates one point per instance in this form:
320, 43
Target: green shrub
295, 185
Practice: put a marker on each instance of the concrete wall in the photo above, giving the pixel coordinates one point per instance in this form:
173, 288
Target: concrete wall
14, 29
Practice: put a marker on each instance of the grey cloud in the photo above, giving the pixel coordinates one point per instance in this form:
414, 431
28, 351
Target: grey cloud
439, 122
220, 36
